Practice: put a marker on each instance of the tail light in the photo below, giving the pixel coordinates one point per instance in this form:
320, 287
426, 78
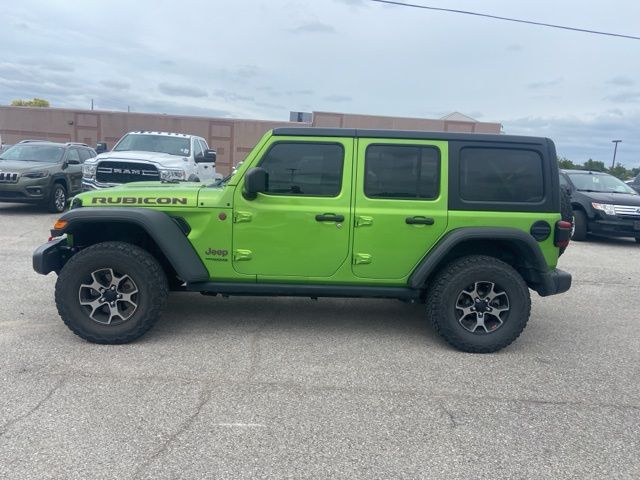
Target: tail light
563, 233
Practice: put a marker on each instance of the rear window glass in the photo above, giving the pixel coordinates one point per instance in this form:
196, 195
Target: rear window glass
402, 172
501, 175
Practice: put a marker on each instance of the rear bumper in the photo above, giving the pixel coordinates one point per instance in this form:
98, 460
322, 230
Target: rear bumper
554, 282
51, 256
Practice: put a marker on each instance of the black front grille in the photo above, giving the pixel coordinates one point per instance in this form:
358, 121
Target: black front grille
8, 177
126, 172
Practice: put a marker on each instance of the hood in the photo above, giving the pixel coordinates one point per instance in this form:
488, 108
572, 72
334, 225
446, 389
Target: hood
613, 198
144, 194
17, 166
152, 157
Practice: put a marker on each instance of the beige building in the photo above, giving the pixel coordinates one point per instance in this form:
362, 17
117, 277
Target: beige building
232, 138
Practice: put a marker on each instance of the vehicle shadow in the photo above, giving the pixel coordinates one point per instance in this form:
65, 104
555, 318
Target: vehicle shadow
610, 241
22, 209
196, 314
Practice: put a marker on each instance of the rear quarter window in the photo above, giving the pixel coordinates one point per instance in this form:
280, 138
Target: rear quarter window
501, 175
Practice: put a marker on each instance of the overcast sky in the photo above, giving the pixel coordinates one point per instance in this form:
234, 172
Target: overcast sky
261, 59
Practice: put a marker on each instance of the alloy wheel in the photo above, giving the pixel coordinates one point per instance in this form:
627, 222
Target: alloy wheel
109, 297
482, 307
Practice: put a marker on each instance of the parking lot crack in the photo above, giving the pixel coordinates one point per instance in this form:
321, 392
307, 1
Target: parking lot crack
254, 345
449, 414
205, 397
33, 410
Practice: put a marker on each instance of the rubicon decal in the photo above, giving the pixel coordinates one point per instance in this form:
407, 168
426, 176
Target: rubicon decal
139, 200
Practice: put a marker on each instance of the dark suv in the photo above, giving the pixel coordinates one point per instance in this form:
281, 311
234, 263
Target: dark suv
42, 172
602, 204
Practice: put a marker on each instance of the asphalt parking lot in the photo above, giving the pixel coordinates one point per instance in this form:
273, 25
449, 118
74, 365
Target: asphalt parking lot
295, 388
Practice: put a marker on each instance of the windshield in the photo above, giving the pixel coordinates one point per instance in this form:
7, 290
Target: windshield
600, 183
154, 143
34, 153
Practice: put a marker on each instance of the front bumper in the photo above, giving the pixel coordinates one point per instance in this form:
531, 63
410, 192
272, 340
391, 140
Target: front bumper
553, 282
51, 256
90, 184
25, 190
615, 226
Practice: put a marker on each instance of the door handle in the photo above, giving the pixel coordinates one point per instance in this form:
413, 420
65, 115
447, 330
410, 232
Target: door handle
419, 221
329, 217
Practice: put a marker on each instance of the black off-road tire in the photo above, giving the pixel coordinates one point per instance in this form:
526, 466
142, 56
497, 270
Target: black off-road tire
124, 259
445, 289
566, 211
57, 201
579, 226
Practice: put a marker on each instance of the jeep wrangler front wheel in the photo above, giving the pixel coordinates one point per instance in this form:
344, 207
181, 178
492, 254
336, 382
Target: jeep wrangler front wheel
111, 292
479, 304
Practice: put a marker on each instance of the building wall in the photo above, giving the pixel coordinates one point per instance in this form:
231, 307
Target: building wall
232, 138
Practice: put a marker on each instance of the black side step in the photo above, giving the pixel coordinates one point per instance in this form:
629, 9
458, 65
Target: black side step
296, 290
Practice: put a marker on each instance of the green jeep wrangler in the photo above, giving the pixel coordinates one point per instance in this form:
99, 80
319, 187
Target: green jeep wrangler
465, 223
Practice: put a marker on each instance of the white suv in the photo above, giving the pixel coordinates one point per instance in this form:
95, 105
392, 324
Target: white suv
150, 156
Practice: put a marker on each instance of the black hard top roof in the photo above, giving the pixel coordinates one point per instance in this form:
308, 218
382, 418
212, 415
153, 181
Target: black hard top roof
404, 134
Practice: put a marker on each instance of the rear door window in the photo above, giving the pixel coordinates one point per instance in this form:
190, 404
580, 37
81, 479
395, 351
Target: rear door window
402, 172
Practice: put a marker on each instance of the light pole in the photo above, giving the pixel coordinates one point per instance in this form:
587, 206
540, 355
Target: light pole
615, 149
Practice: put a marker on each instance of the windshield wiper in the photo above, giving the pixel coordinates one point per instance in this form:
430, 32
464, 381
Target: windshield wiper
591, 191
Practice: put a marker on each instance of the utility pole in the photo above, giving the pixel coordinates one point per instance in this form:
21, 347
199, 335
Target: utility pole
615, 149
92, 104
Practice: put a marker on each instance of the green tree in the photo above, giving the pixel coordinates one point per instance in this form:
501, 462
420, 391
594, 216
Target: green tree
594, 165
635, 172
620, 172
565, 163
36, 102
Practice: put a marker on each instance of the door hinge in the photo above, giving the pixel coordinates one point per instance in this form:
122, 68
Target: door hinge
361, 258
240, 217
363, 221
240, 255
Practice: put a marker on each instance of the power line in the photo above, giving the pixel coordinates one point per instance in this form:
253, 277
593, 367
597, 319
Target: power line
496, 17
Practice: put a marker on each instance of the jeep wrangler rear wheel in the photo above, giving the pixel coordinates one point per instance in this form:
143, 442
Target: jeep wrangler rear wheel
111, 292
479, 304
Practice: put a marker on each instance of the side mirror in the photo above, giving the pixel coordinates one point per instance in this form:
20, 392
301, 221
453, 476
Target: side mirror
208, 157
73, 161
256, 180
101, 148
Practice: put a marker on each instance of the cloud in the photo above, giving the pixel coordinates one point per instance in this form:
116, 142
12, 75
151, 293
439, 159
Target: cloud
115, 84
313, 27
232, 96
624, 97
174, 90
621, 81
337, 98
544, 84
581, 138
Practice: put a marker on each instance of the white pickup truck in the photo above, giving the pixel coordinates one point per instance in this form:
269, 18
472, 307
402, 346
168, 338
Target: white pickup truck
150, 156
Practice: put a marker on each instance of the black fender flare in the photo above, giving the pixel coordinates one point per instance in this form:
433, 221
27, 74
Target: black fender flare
167, 234
523, 241
60, 177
